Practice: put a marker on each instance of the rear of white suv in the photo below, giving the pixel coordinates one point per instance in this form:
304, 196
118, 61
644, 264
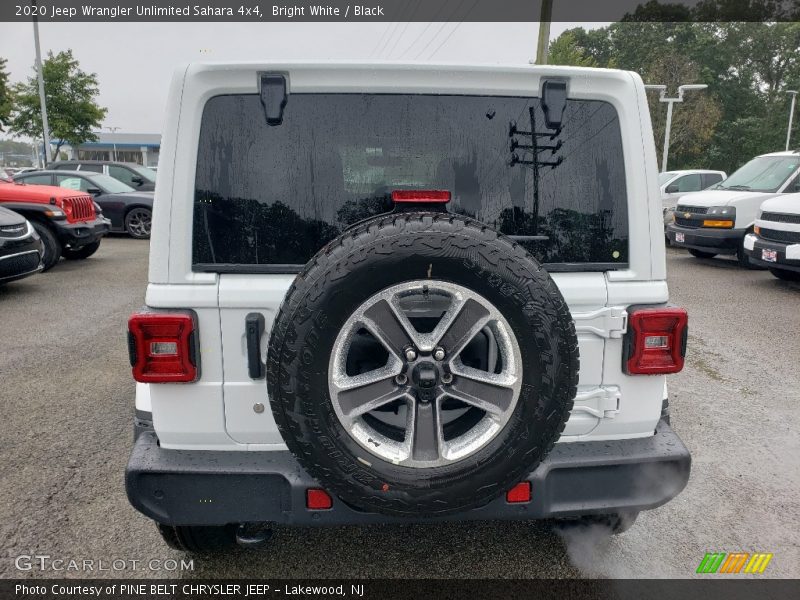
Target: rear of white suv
384, 292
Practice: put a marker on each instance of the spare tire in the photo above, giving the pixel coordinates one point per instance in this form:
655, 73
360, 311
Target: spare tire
421, 365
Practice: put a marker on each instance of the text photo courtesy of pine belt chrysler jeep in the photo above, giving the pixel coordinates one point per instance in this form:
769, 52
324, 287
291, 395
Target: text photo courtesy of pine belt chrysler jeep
396, 293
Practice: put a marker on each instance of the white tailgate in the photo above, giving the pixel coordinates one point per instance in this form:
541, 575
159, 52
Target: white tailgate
240, 295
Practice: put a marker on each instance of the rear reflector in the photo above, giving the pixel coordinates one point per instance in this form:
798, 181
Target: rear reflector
430, 196
519, 493
656, 341
161, 347
318, 499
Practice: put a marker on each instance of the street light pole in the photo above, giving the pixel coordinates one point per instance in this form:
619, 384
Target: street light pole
114, 130
791, 115
662, 97
48, 157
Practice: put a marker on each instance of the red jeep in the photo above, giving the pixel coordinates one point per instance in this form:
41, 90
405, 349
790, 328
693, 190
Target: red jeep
66, 220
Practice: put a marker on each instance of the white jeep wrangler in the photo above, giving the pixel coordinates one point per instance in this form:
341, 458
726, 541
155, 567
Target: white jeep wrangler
385, 293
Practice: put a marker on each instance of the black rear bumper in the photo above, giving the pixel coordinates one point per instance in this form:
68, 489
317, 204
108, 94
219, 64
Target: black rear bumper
178, 487
781, 262
77, 235
718, 241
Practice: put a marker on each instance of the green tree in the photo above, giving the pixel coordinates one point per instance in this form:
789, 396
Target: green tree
565, 50
5, 95
694, 121
72, 110
747, 66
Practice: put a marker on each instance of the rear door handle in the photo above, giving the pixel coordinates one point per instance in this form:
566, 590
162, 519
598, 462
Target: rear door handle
254, 329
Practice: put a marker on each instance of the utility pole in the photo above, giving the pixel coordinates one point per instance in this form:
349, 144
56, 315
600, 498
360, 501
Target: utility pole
543, 47
791, 115
662, 97
45, 126
114, 130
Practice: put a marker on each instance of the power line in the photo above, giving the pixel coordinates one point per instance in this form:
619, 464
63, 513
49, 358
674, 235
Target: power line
385, 42
427, 27
402, 33
380, 39
441, 28
444, 41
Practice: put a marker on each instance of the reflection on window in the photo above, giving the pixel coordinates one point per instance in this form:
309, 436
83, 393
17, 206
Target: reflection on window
276, 195
72, 183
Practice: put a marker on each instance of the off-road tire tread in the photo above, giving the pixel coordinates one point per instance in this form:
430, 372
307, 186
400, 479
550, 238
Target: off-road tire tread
342, 253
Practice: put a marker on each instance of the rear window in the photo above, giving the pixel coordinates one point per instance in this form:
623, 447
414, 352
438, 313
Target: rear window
269, 197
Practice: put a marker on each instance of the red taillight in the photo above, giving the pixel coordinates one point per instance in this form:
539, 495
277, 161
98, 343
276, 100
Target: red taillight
426, 196
656, 341
520, 493
318, 499
162, 347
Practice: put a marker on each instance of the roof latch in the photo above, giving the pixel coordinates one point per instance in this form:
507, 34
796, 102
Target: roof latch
274, 95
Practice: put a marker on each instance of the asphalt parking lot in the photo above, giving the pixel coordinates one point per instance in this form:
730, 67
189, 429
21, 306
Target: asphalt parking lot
67, 398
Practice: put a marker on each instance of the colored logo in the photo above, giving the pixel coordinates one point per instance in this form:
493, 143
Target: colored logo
735, 562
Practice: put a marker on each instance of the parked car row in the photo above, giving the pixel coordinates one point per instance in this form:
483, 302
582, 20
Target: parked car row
129, 211
69, 223
754, 214
55, 213
142, 179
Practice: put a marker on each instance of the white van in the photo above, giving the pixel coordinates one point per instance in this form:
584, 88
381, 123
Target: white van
674, 184
775, 241
397, 293
715, 221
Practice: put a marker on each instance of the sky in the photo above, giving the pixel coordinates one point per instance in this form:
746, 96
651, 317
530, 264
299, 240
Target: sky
134, 61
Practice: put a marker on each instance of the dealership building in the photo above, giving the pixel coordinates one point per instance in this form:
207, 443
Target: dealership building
141, 148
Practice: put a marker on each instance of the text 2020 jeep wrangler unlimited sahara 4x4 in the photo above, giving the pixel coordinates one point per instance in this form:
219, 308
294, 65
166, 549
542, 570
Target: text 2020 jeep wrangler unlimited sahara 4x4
403, 292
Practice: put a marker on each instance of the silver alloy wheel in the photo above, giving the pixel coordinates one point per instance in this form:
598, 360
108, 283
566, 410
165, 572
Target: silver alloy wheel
138, 222
428, 396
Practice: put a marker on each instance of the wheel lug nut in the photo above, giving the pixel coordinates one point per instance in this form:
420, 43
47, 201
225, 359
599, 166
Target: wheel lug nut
411, 355
439, 354
401, 379
447, 378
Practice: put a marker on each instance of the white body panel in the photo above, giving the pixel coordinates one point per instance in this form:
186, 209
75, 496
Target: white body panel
218, 411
